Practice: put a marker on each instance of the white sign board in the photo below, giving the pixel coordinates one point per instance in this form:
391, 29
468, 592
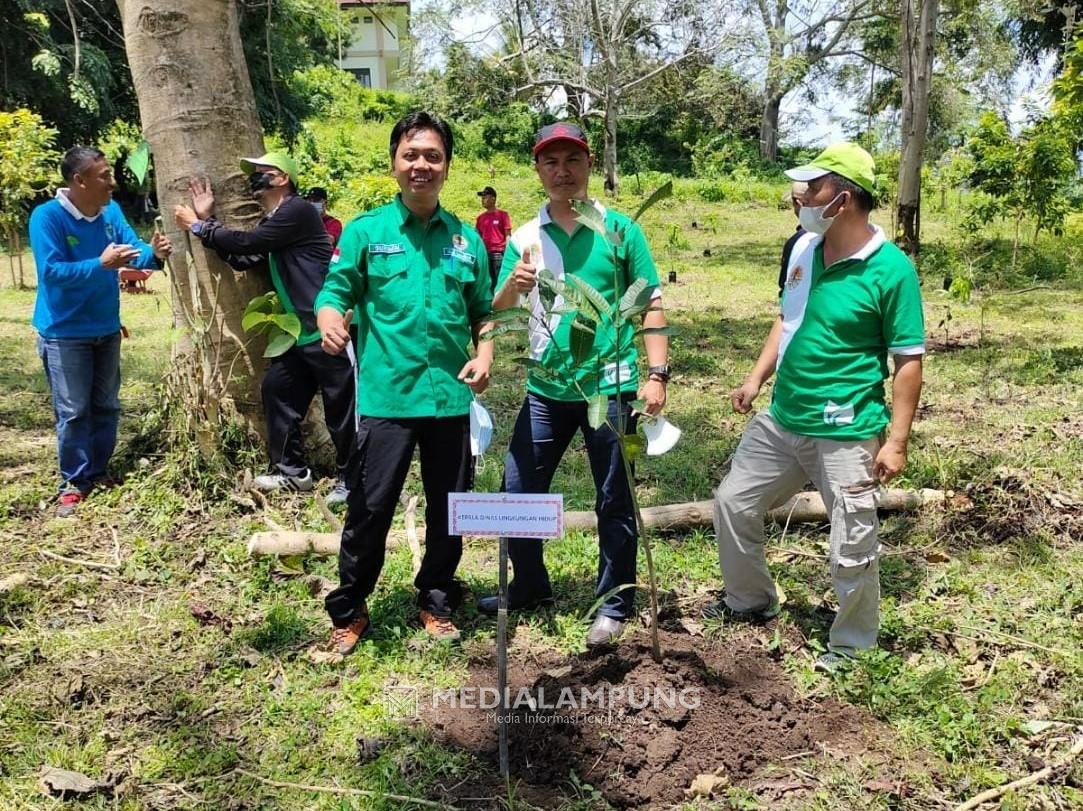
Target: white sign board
508, 515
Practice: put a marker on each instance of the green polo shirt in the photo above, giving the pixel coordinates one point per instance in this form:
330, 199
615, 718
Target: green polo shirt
584, 254
416, 290
838, 326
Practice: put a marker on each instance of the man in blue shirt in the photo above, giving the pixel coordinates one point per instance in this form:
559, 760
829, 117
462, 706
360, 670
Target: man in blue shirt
80, 240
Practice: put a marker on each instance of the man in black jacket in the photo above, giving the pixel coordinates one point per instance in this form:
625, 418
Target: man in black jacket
291, 242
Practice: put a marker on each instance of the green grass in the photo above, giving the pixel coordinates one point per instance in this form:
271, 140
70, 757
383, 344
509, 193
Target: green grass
108, 672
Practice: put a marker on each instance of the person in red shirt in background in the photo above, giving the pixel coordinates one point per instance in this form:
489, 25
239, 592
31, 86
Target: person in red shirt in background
494, 225
333, 227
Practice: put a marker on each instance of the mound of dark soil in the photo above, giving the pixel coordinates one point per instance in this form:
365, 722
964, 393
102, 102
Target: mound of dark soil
734, 711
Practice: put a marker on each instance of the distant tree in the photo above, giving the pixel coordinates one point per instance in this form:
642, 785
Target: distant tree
27, 168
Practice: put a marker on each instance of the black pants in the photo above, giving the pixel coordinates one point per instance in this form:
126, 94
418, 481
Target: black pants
378, 470
496, 259
288, 388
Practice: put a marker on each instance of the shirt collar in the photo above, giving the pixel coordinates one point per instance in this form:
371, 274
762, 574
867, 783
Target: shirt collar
69, 206
406, 214
545, 219
865, 251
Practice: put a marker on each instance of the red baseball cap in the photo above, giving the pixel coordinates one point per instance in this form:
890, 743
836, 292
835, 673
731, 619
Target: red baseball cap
561, 131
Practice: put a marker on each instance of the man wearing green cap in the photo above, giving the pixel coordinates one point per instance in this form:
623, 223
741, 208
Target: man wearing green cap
291, 241
850, 299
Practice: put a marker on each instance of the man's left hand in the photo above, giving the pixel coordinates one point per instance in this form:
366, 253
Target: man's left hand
161, 245
476, 375
890, 461
653, 395
184, 216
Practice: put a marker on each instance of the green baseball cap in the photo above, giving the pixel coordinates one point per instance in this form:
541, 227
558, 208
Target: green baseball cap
845, 159
279, 160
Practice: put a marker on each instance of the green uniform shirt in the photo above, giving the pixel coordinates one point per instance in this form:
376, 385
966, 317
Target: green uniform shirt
584, 254
838, 326
416, 291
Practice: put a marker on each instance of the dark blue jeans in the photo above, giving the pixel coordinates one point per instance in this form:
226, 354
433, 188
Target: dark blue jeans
543, 430
84, 377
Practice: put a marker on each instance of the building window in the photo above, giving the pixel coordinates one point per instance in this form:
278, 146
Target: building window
363, 75
368, 20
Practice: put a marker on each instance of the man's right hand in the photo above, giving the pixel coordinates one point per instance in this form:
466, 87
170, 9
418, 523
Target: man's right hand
202, 197
114, 257
524, 276
334, 329
743, 396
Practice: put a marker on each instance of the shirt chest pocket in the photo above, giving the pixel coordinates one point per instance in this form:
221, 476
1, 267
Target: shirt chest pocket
388, 282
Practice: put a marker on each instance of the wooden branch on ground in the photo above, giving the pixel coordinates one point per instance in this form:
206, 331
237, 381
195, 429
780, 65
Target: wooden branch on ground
803, 508
1036, 777
354, 792
90, 564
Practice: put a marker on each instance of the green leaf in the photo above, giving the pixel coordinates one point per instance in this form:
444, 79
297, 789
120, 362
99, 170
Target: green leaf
262, 304
501, 329
632, 446
509, 314
596, 299
279, 345
670, 330
580, 340
638, 405
661, 193
632, 297
139, 161
589, 216
597, 409
288, 323
254, 319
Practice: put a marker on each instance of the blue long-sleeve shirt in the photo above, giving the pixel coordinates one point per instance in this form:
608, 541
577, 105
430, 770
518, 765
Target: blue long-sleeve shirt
78, 297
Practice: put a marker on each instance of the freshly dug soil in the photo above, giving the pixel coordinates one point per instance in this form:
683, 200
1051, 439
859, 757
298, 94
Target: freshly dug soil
643, 756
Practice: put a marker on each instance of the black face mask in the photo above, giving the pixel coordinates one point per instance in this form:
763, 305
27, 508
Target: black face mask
259, 181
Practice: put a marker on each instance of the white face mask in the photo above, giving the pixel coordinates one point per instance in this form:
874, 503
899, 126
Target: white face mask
813, 219
318, 205
481, 428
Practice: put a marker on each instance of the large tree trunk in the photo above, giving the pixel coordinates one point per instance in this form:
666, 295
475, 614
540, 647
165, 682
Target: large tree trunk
612, 113
918, 36
769, 127
199, 115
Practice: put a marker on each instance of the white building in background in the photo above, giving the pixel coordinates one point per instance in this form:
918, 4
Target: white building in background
373, 41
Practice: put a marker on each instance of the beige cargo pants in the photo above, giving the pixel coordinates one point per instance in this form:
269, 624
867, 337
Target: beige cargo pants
770, 465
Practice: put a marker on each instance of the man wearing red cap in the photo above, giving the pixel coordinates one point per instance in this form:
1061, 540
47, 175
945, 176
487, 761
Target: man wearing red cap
494, 225
850, 299
554, 409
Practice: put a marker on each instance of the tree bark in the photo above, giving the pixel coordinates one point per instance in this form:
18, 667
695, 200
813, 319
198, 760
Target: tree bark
769, 127
612, 114
918, 37
199, 115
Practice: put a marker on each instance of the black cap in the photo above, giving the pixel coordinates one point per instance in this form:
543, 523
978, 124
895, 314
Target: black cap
487, 190
316, 193
561, 131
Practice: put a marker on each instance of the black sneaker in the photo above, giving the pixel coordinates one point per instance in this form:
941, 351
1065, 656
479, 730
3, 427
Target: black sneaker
720, 610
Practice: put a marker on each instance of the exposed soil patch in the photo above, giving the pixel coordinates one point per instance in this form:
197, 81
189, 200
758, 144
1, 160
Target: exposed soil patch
747, 716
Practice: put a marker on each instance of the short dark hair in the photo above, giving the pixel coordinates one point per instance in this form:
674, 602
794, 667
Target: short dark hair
76, 159
316, 193
864, 199
421, 120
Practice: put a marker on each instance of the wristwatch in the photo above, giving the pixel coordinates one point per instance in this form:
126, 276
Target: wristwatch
661, 372
196, 227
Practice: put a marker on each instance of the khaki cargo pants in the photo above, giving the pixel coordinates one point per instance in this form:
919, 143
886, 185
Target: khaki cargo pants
770, 465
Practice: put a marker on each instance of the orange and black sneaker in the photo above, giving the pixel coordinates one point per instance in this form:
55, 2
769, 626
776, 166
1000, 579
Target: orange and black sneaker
344, 640
439, 627
67, 503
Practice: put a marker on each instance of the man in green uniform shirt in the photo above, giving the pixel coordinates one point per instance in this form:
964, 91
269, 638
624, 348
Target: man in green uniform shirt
417, 280
554, 410
851, 298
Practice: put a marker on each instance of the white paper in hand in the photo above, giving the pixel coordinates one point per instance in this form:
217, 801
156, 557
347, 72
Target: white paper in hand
661, 435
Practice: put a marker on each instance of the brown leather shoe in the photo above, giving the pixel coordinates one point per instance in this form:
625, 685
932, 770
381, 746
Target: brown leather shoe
439, 627
344, 640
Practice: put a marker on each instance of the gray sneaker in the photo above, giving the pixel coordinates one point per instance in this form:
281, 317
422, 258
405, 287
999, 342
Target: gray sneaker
720, 610
603, 631
275, 482
830, 663
339, 493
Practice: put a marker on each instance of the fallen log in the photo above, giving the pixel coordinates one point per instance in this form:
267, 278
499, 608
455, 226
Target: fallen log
805, 507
